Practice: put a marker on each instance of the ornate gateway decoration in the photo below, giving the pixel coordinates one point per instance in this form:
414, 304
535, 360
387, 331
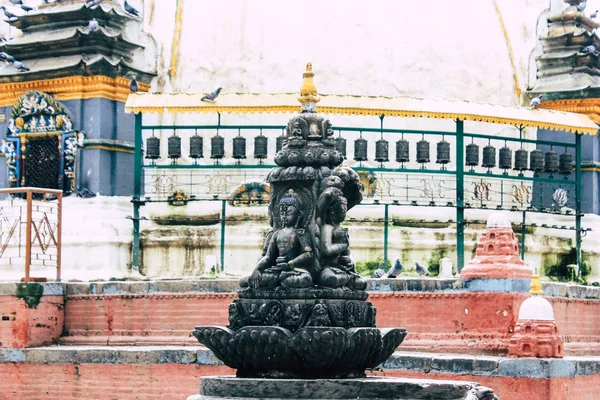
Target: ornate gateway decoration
41, 145
302, 312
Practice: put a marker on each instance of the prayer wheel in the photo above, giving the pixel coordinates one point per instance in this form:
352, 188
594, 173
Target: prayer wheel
505, 158
402, 151
552, 162
239, 147
217, 147
152, 148
536, 160
360, 149
489, 156
279, 143
174, 146
566, 163
382, 148
422, 151
196, 146
260, 146
521, 160
472, 156
340, 145
443, 152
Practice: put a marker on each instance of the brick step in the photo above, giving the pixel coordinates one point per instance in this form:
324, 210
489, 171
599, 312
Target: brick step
172, 372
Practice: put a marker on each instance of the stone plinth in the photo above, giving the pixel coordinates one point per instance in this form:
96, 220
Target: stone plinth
497, 258
225, 387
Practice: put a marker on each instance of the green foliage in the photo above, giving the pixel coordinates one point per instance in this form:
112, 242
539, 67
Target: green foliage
433, 262
561, 271
367, 268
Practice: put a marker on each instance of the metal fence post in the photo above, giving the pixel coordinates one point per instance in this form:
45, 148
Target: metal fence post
460, 204
223, 217
137, 192
523, 227
59, 236
385, 235
28, 236
578, 213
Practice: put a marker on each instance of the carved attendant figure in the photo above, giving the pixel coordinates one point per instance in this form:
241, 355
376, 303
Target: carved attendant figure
337, 265
289, 251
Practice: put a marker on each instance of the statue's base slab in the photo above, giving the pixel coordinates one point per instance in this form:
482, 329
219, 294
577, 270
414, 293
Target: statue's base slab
228, 387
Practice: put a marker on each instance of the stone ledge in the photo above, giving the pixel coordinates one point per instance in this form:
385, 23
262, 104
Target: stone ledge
535, 368
551, 289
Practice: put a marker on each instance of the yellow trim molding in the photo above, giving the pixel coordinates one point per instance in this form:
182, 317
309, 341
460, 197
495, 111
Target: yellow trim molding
176, 39
361, 105
109, 148
71, 88
510, 54
589, 107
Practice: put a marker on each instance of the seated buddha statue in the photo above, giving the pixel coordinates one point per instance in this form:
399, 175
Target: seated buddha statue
288, 253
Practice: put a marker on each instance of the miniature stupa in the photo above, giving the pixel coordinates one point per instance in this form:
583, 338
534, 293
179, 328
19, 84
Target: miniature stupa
536, 333
497, 255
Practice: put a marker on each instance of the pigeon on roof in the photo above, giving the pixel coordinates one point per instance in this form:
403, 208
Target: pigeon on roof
8, 14
6, 57
93, 3
17, 2
27, 8
211, 96
589, 49
536, 101
93, 25
130, 9
421, 269
20, 66
133, 85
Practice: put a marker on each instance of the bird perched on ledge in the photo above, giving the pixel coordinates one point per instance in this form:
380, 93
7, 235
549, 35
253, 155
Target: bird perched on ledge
536, 101
93, 3
130, 9
589, 49
93, 25
133, 85
211, 96
421, 269
8, 14
20, 66
395, 270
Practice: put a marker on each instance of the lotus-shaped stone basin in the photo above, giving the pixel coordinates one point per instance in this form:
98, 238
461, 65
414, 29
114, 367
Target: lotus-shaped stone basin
310, 352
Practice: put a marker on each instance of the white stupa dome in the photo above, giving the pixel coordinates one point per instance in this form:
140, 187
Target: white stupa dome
536, 308
448, 49
498, 220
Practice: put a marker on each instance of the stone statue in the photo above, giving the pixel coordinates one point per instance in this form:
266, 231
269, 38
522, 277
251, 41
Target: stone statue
303, 310
337, 267
289, 251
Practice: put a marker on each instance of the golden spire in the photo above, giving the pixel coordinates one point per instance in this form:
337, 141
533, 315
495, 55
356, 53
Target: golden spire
308, 91
536, 285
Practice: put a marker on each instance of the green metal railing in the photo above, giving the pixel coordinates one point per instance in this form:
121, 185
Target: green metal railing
461, 176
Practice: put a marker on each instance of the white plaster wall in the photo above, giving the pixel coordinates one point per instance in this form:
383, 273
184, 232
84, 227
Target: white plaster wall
96, 241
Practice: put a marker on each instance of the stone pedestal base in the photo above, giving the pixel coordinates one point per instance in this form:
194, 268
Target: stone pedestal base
228, 387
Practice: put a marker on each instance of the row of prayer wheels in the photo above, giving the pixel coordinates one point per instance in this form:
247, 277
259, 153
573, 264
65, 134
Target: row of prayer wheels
550, 161
539, 161
402, 150
217, 147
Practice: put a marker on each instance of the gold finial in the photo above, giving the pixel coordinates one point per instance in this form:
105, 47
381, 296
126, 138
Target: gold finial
536, 285
308, 91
